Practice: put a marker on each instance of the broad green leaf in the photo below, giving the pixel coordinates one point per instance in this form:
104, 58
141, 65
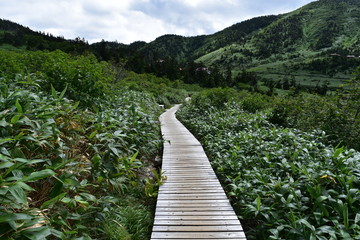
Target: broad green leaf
66, 200
18, 106
53, 93
88, 197
63, 92
15, 119
357, 218
338, 152
18, 153
5, 140
73, 107
134, 157
258, 203
114, 151
5, 164
39, 175
12, 168
93, 134
289, 199
37, 233
307, 224
25, 186
14, 217
321, 199
52, 201
56, 233
18, 193
56, 167
4, 123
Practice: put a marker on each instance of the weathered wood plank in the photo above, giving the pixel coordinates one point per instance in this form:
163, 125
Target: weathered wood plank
199, 235
207, 213
175, 201
199, 218
194, 197
183, 191
202, 238
216, 228
214, 222
199, 205
193, 209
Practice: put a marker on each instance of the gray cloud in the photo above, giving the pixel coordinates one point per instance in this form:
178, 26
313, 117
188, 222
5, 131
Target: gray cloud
130, 20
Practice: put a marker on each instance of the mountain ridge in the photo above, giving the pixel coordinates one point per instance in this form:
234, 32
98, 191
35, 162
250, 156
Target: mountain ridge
306, 43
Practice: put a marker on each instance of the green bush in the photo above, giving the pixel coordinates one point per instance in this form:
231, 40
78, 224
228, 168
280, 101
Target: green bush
165, 91
63, 168
216, 97
284, 183
336, 115
86, 79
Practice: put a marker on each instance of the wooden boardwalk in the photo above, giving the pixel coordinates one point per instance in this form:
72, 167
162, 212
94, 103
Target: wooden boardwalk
191, 203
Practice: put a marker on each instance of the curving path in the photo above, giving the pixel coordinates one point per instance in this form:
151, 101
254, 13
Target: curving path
191, 203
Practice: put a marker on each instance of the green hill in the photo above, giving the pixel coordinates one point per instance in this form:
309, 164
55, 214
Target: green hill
314, 44
15, 36
317, 44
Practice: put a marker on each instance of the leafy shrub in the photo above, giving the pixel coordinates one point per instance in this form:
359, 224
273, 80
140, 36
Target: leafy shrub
165, 91
63, 169
283, 183
86, 79
337, 116
216, 97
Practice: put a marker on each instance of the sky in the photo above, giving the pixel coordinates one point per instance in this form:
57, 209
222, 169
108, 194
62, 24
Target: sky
126, 21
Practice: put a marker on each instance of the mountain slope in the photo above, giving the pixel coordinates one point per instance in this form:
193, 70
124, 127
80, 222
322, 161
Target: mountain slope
318, 43
184, 49
16, 35
300, 43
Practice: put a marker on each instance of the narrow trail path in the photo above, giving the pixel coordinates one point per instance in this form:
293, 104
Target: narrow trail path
191, 203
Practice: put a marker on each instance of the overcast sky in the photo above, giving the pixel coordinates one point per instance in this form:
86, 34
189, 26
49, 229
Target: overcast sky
127, 21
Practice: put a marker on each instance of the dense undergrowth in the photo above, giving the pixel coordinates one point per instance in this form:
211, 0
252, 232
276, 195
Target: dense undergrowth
284, 183
77, 148
85, 77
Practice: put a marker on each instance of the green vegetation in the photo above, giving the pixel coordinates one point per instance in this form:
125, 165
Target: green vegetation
79, 130
78, 147
166, 92
284, 183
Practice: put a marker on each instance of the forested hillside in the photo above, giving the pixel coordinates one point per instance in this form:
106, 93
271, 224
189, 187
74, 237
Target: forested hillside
316, 45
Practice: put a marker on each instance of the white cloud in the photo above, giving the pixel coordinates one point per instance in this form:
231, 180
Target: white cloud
129, 20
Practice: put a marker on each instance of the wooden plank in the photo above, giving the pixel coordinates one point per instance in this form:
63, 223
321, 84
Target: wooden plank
199, 218
193, 209
217, 222
172, 178
201, 238
194, 205
206, 201
192, 197
191, 194
215, 228
201, 184
199, 235
189, 190
207, 213
191, 182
